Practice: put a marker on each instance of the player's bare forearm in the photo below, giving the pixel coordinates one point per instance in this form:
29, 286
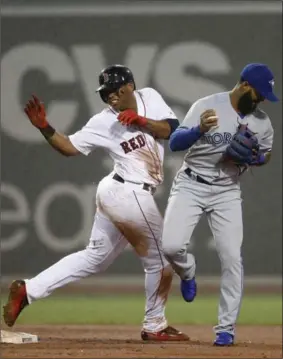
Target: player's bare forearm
60, 143
160, 129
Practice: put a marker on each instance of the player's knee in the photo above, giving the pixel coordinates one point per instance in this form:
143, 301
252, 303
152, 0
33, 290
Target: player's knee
170, 250
97, 262
230, 259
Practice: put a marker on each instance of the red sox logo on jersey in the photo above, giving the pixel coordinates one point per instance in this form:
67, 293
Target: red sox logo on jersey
133, 144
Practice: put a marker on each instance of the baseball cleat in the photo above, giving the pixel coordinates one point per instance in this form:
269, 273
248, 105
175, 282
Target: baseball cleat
224, 339
165, 335
189, 289
17, 301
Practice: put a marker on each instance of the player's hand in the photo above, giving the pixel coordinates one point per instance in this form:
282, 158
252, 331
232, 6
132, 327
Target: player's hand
35, 111
129, 117
208, 119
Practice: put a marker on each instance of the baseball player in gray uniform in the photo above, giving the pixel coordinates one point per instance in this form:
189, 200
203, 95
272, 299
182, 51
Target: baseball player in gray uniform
224, 134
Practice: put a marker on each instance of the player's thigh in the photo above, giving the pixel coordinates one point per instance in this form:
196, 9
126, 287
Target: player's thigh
150, 223
134, 213
182, 214
106, 241
147, 225
226, 223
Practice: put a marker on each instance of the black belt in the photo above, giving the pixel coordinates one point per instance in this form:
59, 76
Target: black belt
197, 178
146, 186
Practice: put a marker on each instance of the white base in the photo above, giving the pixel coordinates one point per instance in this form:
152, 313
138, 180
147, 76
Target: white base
18, 337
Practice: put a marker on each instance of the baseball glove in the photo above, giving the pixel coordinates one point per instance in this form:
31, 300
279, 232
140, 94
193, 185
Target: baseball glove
244, 147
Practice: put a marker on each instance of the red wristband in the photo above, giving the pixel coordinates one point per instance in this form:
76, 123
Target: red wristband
142, 121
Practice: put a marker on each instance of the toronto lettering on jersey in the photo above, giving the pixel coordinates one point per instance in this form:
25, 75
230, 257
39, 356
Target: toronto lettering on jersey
217, 138
133, 144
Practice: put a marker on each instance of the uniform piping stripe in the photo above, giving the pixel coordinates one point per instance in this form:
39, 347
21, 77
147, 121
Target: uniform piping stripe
157, 246
242, 288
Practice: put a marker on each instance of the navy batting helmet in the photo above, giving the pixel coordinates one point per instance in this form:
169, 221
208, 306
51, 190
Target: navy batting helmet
112, 78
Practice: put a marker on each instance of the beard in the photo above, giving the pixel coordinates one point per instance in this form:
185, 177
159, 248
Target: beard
246, 104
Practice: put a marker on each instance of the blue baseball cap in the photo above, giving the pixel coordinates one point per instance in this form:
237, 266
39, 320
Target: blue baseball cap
260, 77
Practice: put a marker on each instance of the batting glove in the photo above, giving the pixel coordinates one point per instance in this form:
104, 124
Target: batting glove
129, 117
35, 111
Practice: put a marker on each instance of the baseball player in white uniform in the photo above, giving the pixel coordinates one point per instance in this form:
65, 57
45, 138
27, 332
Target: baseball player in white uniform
224, 134
132, 129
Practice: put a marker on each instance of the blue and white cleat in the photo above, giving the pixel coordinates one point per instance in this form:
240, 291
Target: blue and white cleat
189, 289
224, 339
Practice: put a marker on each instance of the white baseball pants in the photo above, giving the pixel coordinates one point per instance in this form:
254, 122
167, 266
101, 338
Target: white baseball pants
121, 208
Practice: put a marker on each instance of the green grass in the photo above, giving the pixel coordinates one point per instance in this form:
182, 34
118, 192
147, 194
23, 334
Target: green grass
129, 309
